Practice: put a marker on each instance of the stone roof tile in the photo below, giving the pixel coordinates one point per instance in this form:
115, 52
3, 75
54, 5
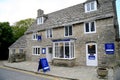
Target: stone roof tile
72, 15
20, 43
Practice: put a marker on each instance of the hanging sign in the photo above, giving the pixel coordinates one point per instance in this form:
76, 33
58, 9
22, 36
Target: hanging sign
39, 37
109, 48
43, 64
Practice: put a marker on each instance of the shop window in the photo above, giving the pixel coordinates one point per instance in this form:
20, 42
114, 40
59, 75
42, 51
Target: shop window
64, 50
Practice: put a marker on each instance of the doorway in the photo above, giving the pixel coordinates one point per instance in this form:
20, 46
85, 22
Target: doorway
49, 54
91, 54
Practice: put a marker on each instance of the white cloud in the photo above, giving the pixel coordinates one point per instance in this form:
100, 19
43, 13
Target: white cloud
15, 10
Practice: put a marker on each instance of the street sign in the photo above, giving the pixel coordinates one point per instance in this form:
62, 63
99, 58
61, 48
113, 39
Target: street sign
43, 64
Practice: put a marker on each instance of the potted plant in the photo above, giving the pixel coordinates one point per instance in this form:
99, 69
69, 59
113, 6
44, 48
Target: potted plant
102, 71
19, 57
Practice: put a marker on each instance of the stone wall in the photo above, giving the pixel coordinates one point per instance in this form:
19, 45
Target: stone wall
105, 33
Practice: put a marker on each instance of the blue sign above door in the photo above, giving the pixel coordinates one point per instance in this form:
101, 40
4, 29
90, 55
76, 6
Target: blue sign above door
109, 48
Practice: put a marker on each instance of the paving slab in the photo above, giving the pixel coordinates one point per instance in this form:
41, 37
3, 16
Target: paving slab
71, 73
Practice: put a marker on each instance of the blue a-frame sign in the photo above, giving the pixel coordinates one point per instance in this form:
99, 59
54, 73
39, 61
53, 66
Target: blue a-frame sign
109, 48
43, 64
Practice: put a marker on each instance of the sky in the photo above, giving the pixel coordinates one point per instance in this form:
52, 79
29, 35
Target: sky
15, 10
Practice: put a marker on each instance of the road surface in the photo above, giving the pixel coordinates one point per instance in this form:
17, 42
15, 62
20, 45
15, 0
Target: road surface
12, 74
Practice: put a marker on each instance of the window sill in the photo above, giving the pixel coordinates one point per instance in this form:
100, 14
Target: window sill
35, 54
90, 11
90, 32
64, 58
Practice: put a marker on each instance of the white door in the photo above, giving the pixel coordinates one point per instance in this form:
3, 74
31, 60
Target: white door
91, 54
49, 54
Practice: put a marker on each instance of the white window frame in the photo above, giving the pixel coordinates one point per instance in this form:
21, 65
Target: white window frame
35, 36
40, 20
71, 51
49, 33
36, 50
68, 31
91, 5
90, 30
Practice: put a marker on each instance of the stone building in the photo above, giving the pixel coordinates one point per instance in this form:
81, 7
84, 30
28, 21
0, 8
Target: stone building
17, 50
84, 34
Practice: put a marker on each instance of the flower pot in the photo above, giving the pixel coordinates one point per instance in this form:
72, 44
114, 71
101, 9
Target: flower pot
102, 72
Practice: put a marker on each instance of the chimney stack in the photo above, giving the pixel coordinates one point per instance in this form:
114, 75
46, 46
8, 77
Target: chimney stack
40, 13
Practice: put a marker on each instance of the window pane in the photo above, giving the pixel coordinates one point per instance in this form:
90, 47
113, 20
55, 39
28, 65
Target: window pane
67, 50
61, 50
88, 7
33, 36
40, 20
50, 50
87, 27
38, 50
72, 49
50, 32
66, 31
92, 26
91, 49
92, 6
34, 50
70, 30
36, 37
56, 50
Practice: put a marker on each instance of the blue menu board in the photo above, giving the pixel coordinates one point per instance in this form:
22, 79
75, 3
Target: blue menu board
109, 48
43, 64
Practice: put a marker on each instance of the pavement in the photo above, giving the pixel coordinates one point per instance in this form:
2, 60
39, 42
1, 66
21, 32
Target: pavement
69, 73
